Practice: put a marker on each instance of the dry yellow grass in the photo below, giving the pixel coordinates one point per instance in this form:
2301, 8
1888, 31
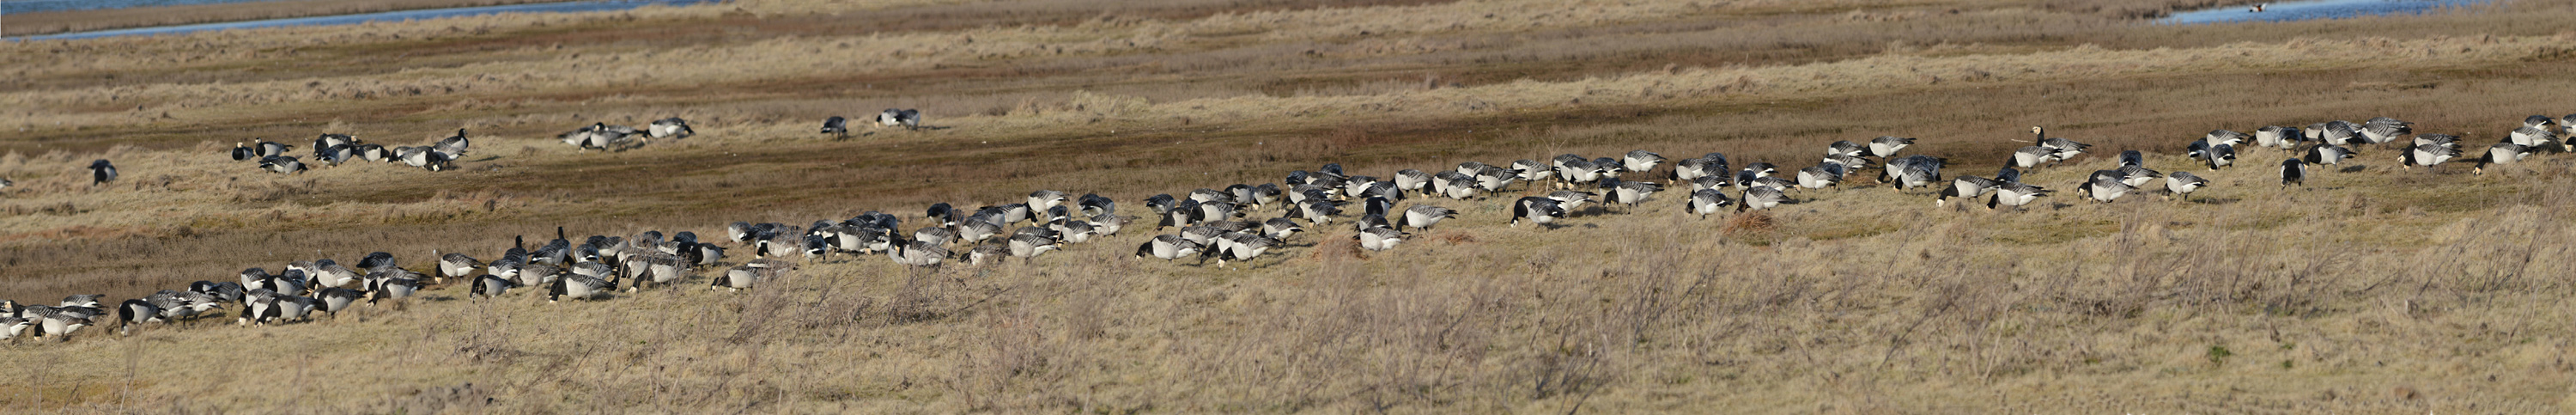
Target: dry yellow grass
2375, 290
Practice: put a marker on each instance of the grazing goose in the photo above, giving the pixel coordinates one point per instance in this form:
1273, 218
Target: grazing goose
330, 301
1887, 146
579, 287
1845, 148
2539, 121
1631, 193
1760, 198
2066, 149
743, 277
1379, 239
137, 311
1242, 247
1571, 173
1848, 162
1028, 247
489, 286
57, 322
986, 254
13, 326
1497, 178
672, 128
1421, 217
2105, 186
83, 300
2381, 130
1708, 182
2182, 183
917, 254
2327, 154
2339, 132
2533, 137
837, 126
1706, 201
100, 172
391, 289
242, 152
1537, 210
454, 265
1044, 199
1531, 171
1641, 161
1912, 171
2132, 158
2219, 156
2502, 153
2228, 137
425, 159
1968, 187
1821, 176
1281, 228
2016, 195
281, 164
287, 307
1571, 200
1167, 247
1412, 180
334, 155
2427, 155
896, 117
659, 269
272, 148
2294, 171
2032, 156
2274, 136
453, 146
2445, 140
2008, 175
2135, 176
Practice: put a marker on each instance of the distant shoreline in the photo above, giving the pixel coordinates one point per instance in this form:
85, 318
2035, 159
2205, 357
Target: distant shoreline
46, 23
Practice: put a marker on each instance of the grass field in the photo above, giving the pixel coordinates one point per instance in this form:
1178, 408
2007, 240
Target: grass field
2373, 289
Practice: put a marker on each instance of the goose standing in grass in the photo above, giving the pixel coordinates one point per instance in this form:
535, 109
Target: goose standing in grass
666, 128
2445, 140
917, 254
2501, 153
1760, 198
1571, 200
1887, 146
2327, 154
1167, 247
1912, 172
2427, 155
1378, 239
391, 289
56, 322
1632, 193
2219, 156
2132, 158
2274, 136
1027, 247
1242, 247
2016, 195
1538, 210
489, 286
837, 126
1706, 201
2294, 172
101, 172
2339, 132
331, 301
281, 164
137, 311
2065, 149
2104, 186
1422, 217
1845, 148
2182, 183
2532, 137
2032, 156
454, 146
272, 148
1821, 175
2381, 130
1967, 187
454, 265
1641, 161
2135, 176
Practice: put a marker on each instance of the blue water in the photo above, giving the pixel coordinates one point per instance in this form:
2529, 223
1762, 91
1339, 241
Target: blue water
393, 16
2312, 10
32, 6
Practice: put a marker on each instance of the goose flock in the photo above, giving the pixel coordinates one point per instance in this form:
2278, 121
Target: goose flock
1234, 223
331, 150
